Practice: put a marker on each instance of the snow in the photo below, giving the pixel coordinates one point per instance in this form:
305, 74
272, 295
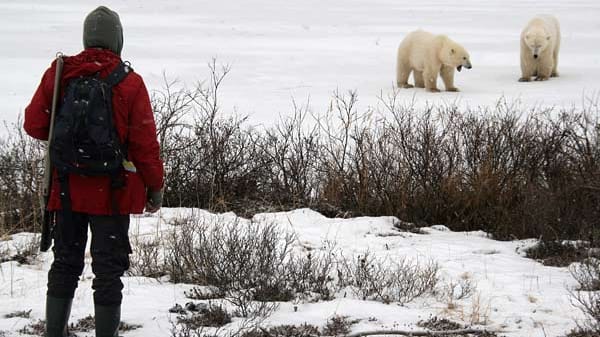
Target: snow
513, 293
306, 49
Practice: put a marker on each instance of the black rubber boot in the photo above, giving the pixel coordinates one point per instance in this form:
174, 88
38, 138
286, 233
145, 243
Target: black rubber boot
57, 316
107, 320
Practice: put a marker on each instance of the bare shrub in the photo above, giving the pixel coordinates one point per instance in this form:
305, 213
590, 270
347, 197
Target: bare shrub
146, 258
303, 330
456, 290
19, 313
587, 297
211, 160
442, 324
338, 326
292, 151
311, 274
37, 328
587, 274
204, 293
248, 262
367, 276
233, 255
23, 251
389, 281
556, 253
582, 333
212, 316
477, 313
21, 166
510, 171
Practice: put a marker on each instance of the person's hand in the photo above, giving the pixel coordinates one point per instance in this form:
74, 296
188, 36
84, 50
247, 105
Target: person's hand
153, 201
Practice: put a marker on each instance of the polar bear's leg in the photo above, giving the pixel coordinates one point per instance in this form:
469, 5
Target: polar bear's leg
418, 76
402, 73
555, 61
447, 74
544, 69
527, 65
430, 78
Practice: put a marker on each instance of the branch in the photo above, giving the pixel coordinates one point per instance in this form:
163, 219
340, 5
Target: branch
418, 333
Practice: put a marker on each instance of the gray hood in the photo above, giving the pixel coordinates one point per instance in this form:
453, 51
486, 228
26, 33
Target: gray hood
102, 29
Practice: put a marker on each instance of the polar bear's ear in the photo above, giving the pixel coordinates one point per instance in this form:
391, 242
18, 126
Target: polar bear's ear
452, 51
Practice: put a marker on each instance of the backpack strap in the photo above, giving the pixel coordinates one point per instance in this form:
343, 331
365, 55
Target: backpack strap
114, 78
119, 74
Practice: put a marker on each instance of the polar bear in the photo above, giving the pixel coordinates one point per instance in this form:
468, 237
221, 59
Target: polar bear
540, 42
428, 55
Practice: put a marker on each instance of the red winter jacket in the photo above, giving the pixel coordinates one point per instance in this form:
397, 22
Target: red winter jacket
135, 125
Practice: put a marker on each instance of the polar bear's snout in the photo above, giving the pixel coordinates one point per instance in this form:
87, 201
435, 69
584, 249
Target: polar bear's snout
466, 64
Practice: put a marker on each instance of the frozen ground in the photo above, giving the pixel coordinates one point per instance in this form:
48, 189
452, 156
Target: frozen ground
304, 49
513, 294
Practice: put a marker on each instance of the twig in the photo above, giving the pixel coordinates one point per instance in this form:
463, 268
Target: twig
417, 333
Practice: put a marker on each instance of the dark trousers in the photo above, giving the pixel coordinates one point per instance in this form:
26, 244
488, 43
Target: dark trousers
110, 251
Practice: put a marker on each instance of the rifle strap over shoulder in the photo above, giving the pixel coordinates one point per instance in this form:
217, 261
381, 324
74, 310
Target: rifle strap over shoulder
118, 74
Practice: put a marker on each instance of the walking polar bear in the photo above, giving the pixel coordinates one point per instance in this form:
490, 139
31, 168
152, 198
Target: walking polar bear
426, 55
540, 42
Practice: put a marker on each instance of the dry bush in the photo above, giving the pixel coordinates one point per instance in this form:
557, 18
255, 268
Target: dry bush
587, 274
456, 290
442, 324
291, 151
22, 251
21, 166
587, 297
559, 253
388, 281
505, 170
19, 313
304, 330
478, 313
210, 160
511, 171
204, 293
338, 326
250, 263
146, 258
236, 255
37, 328
312, 274
212, 316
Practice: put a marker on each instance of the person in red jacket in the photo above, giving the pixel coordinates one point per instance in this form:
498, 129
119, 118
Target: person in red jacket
93, 201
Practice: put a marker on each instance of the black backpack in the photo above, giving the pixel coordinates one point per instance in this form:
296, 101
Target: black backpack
85, 139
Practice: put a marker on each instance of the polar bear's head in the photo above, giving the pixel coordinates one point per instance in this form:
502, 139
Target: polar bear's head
455, 56
537, 40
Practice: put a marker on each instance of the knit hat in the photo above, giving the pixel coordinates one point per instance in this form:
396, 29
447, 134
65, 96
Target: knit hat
102, 29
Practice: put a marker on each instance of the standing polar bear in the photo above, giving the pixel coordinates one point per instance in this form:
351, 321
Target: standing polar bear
540, 42
428, 55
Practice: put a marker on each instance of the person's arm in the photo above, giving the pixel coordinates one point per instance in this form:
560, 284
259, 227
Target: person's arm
143, 146
37, 113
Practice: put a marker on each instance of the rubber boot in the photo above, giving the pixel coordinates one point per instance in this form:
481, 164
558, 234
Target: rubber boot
107, 320
57, 316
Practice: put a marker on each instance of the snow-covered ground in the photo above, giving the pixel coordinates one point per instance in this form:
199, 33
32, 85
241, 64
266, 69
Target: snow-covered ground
305, 49
514, 294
